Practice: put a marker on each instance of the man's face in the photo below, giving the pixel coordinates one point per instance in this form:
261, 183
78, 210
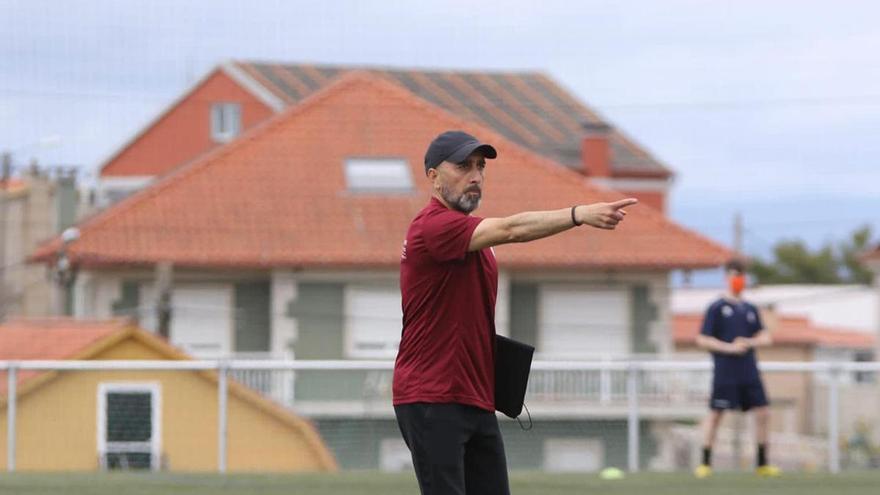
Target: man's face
460, 184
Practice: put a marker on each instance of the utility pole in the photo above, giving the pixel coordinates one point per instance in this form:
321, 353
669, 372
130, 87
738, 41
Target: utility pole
738, 233
5, 174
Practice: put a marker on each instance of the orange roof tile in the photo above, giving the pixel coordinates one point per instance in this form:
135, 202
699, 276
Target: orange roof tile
51, 338
278, 197
788, 330
12, 185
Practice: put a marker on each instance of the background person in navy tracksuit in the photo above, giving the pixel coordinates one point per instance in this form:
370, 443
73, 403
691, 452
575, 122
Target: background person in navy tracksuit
731, 331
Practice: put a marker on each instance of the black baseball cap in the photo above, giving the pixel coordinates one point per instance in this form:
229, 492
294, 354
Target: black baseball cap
454, 146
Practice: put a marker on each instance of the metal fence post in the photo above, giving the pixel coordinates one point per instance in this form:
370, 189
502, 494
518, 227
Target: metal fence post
222, 414
12, 396
833, 419
632, 422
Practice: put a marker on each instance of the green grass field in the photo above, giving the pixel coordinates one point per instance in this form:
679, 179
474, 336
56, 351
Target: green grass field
371, 483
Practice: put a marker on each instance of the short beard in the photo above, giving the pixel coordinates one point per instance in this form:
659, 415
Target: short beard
464, 203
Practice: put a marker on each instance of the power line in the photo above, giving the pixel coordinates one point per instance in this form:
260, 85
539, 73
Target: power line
797, 101
831, 100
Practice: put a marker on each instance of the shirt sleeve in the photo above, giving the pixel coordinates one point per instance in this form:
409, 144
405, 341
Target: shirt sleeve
447, 234
709, 321
756, 325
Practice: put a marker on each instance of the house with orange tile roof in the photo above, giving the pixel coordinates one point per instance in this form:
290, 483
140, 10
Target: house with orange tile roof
138, 419
526, 107
285, 242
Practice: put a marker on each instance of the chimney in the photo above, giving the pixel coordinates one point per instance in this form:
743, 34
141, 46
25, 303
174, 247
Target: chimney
596, 150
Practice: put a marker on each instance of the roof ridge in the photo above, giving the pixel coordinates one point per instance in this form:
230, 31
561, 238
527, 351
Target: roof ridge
384, 67
69, 320
154, 119
549, 164
198, 163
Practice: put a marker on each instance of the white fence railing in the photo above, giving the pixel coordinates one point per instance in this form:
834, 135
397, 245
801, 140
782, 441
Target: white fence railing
635, 385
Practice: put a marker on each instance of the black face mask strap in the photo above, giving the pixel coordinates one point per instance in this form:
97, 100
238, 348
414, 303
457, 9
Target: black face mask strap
530, 419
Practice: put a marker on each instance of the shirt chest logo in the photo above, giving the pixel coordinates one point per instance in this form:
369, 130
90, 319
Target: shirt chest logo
726, 311
751, 316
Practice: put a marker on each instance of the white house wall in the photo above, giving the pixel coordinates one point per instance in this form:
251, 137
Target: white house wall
98, 292
854, 307
283, 328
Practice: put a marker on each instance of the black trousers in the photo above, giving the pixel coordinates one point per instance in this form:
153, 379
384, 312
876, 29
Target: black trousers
456, 449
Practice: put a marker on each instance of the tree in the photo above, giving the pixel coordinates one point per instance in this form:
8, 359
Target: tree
851, 251
794, 263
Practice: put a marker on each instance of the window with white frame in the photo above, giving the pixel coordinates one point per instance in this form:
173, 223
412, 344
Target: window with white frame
129, 425
579, 322
202, 318
113, 190
225, 121
373, 320
378, 175
202, 321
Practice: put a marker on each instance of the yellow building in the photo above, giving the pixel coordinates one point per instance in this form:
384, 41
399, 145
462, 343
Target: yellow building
168, 420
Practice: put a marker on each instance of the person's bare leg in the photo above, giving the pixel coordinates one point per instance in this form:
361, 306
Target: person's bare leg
710, 430
710, 427
762, 424
762, 433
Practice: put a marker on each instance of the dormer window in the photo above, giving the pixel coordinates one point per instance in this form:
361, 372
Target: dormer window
378, 175
225, 121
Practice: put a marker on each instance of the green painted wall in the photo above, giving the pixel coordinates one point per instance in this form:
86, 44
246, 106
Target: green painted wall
524, 313
320, 320
643, 312
525, 449
329, 385
129, 300
252, 316
356, 442
319, 310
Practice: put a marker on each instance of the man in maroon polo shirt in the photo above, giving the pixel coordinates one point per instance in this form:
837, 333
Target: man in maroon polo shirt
444, 377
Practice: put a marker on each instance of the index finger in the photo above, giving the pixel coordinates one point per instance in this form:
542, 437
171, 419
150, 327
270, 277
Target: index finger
623, 203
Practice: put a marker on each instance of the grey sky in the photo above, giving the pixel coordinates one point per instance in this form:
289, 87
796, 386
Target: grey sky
770, 108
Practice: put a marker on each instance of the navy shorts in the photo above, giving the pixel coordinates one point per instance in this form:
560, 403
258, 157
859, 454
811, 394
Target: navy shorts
743, 396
